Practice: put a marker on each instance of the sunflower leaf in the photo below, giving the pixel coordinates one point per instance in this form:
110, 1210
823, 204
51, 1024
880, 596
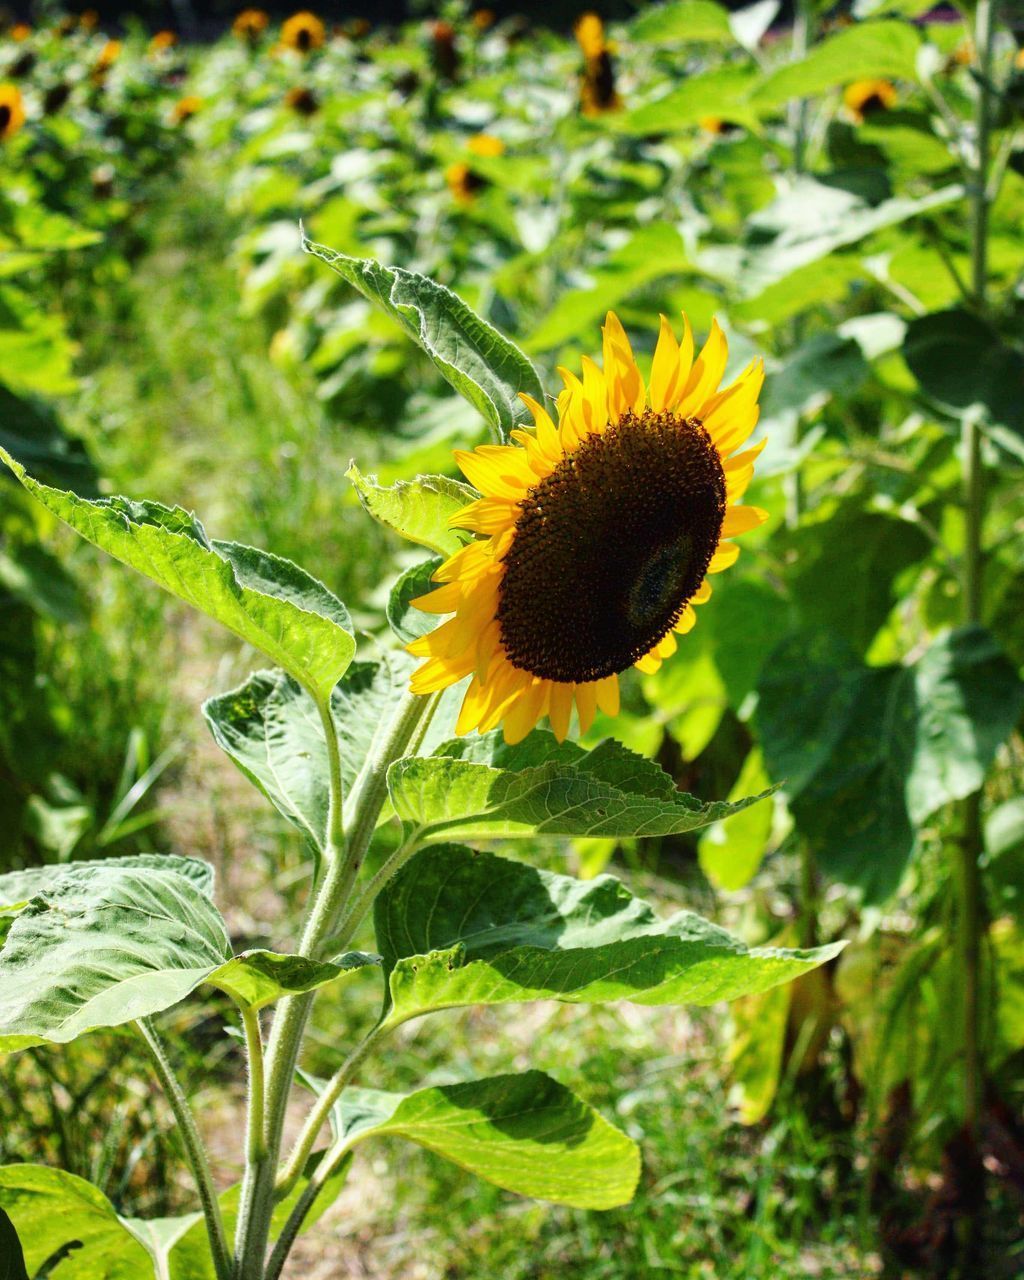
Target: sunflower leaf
457, 927
416, 509
526, 1133
12, 1259
266, 601
479, 362
58, 1215
483, 788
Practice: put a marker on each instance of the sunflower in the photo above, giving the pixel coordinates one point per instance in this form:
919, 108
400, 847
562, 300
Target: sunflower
20, 31
302, 100
303, 32
596, 537
185, 108
444, 53
486, 145
864, 97
250, 25
716, 125
12, 111
463, 183
597, 83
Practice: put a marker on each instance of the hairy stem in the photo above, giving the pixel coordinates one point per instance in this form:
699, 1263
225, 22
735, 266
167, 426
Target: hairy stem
254, 1048
195, 1150
351, 829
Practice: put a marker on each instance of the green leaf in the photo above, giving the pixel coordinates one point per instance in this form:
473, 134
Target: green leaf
268, 602
16, 887
652, 251
731, 852
416, 509
256, 979
406, 621
526, 1133
457, 927
479, 362
12, 1259
158, 1236
960, 361
54, 1211
32, 432
482, 789
723, 91
868, 753
271, 729
874, 49
101, 946
683, 22
806, 222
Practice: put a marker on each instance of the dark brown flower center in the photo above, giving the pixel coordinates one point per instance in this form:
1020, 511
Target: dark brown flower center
5, 117
610, 547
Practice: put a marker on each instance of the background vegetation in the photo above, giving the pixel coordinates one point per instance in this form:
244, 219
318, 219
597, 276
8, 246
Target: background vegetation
847, 197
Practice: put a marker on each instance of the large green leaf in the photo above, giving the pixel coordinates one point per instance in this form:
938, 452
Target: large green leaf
100, 945
478, 789
961, 361
12, 1259
724, 90
416, 509
682, 22
806, 222
731, 852
16, 887
479, 362
526, 1133
268, 602
869, 753
862, 52
271, 729
457, 927
54, 1211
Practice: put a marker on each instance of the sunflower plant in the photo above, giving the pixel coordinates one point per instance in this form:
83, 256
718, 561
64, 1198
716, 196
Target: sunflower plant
579, 545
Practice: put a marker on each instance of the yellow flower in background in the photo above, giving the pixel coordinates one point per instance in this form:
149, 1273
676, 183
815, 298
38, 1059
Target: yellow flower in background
302, 100
716, 125
865, 97
483, 19
596, 536
12, 111
163, 40
109, 54
250, 24
598, 93
20, 31
303, 32
89, 20
486, 144
463, 183
185, 108
1018, 61
589, 32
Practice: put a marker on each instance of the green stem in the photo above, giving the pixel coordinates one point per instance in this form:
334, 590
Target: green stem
351, 832
195, 1151
320, 1114
254, 1149
802, 37
324, 1172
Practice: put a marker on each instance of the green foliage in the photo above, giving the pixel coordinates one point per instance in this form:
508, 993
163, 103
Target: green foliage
457, 928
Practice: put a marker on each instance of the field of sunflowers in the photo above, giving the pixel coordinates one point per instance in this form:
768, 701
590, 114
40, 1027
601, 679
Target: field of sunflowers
583, 458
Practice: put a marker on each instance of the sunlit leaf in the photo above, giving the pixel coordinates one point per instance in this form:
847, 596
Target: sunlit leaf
862, 52
416, 509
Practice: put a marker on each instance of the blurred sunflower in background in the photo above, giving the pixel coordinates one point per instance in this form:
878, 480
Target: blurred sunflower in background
302, 100
463, 183
598, 92
303, 32
866, 97
250, 25
162, 40
185, 108
596, 536
486, 145
12, 111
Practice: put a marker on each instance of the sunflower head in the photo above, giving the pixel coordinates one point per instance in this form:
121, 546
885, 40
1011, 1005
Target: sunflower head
302, 100
444, 53
717, 126
162, 40
185, 108
89, 20
250, 25
303, 32
589, 32
594, 537
486, 145
12, 111
483, 19
866, 97
20, 31
463, 183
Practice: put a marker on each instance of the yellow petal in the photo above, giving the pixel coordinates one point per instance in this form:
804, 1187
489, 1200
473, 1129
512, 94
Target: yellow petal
486, 515
686, 622
439, 673
703, 593
706, 373
486, 475
524, 713
560, 709
665, 368
607, 693
741, 520
726, 556
442, 600
586, 705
